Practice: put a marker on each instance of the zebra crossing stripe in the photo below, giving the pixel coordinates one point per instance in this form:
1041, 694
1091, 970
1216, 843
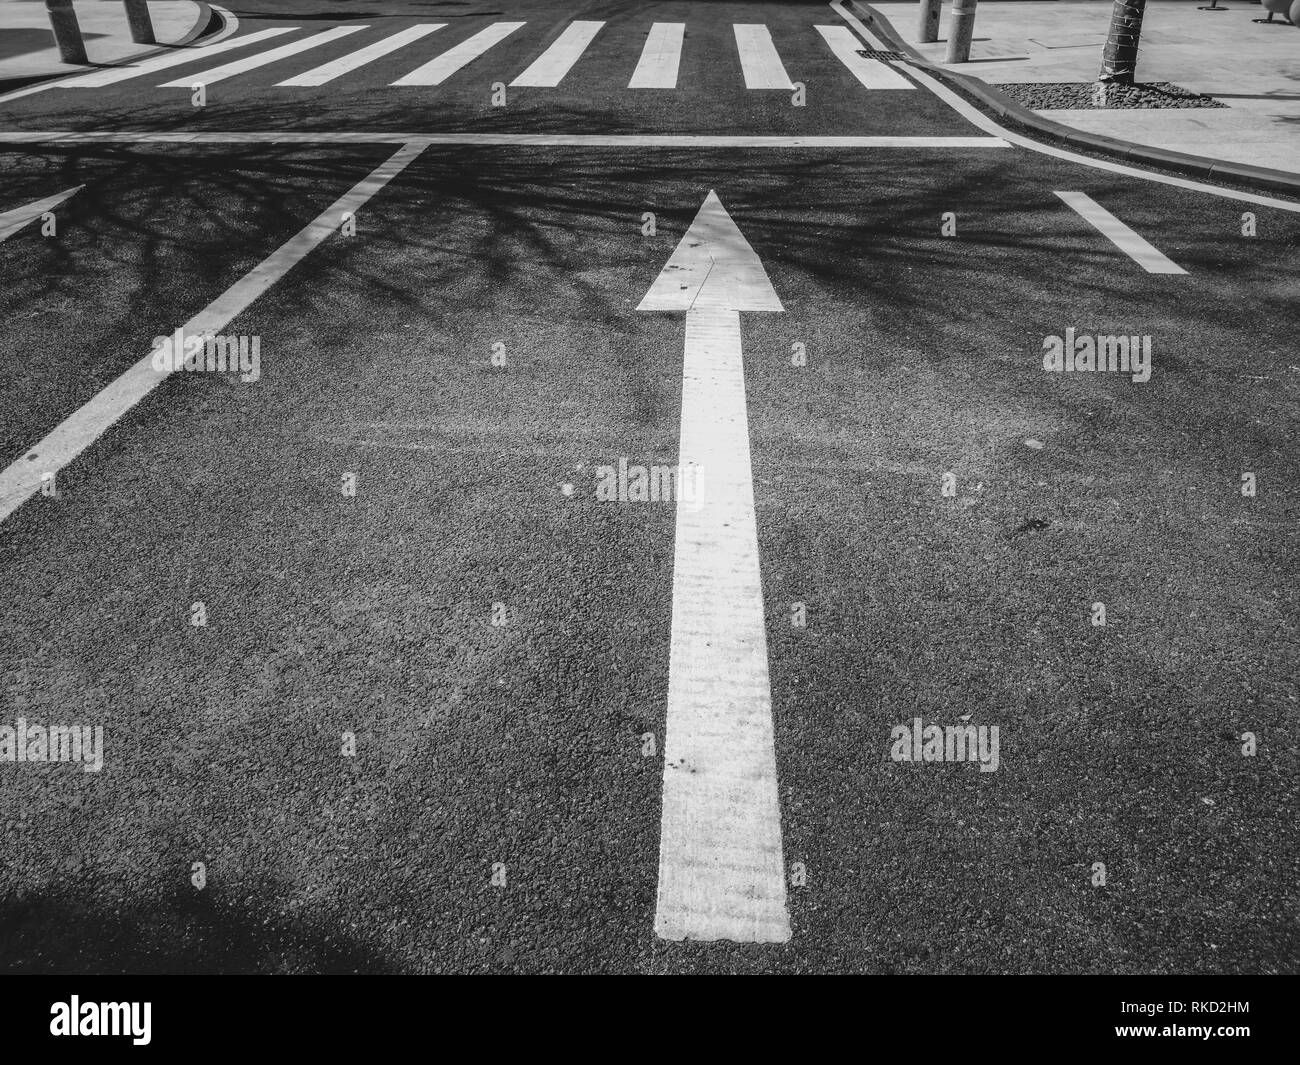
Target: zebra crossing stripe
239, 66
871, 72
660, 58
436, 71
549, 68
173, 59
759, 61
329, 71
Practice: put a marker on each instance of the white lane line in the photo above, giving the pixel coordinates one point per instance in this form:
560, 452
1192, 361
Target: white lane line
12, 221
660, 58
981, 121
22, 478
239, 66
436, 71
549, 68
572, 140
329, 71
759, 61
172, 59
721, 869
871, 72
1135, 247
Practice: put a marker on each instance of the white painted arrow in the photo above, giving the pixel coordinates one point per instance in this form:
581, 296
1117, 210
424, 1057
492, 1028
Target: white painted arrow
721, 870
12, 221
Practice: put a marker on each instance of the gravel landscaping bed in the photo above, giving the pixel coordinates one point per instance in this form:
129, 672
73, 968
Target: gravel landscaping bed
1082, 95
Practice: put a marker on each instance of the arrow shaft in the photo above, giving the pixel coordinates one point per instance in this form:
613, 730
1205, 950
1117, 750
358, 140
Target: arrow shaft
721, 871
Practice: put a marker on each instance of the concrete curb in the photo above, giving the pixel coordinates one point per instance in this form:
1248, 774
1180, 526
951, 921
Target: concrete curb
1016, 114
209, 22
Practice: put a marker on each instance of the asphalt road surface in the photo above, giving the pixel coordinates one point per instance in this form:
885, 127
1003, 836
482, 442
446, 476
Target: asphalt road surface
382, 674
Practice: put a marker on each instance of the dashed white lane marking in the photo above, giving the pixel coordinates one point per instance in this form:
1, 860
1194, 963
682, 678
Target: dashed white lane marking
12, 221
1135, 247
240, 66
981, 121
571, 140
759, 61
173, 59
438, 70
660, 58
22, 478
721, 870
871, 72
549, 68
329, 71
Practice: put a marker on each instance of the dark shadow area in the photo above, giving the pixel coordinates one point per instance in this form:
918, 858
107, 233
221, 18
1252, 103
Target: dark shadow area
195, 931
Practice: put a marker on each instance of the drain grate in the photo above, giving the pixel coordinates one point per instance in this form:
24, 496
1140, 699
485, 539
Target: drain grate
872, 53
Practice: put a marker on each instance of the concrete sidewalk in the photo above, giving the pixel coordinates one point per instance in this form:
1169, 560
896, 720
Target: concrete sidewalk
27, 49
1252, 69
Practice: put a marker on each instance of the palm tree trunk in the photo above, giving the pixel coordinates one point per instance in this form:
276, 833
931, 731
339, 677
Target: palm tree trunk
1120, 58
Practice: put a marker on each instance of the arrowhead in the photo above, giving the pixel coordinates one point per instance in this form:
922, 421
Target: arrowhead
713, 266
12, 221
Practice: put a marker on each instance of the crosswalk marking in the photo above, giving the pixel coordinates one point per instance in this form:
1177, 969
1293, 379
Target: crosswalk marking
239, 66
329, 71
1132, 245
660, 58
658, 65
759, 60
871, 72
436, 71
172, 59
549, 68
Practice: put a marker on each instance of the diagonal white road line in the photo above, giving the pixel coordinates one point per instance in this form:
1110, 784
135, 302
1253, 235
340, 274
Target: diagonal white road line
240, 66
22, 478
1135, 247
12, 221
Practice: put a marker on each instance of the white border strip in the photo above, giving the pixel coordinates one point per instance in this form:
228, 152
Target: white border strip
22, 478
573, 140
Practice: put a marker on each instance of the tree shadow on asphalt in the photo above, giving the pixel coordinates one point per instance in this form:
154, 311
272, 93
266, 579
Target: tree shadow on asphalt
497, 217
